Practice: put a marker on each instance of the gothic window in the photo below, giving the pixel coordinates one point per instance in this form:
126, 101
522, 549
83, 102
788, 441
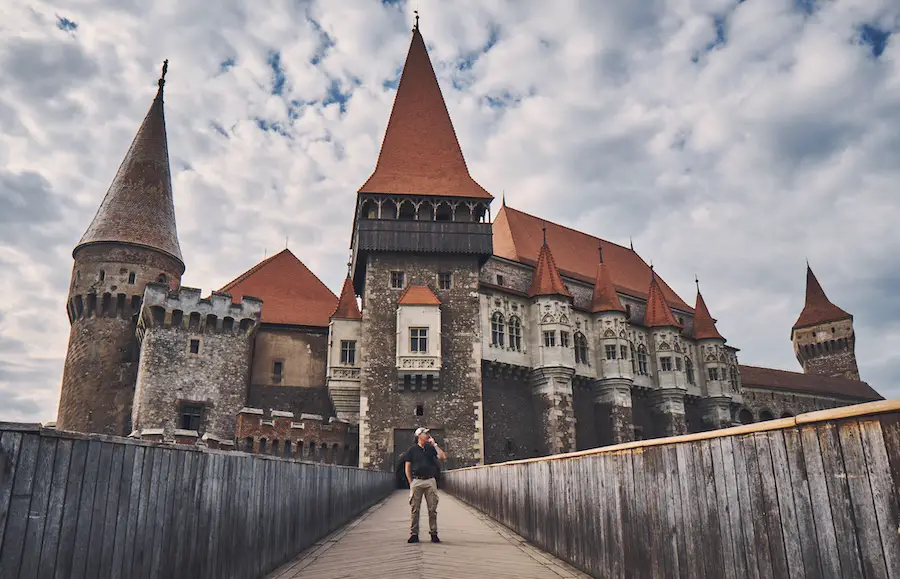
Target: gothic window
610, 351
348, 352
678, 363
745, 417
765, 415
564, 339
633, 359
277, 371
397, 279
734, 379
713, 373
191, 415
665, 363
581, 348
497, 329
445, 280
623, 352
515, 334
642, 361
549, 338
689, 370
418, 340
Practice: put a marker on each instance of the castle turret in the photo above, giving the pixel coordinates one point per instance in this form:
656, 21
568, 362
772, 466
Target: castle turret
671, 384
823, 337
554, 364
131, 242
344, 355
612, 390
713, 367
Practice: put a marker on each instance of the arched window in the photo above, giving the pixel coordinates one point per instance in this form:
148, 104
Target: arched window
275, 447
407, 211
515, 334
248, 444
689, 369
312, 450
581, 349
369, 209
765, 415
642, 361
462, 213
443, 212
787, 415
745, 417
262, 445
733, 376
389, 209
497, 331
287, 448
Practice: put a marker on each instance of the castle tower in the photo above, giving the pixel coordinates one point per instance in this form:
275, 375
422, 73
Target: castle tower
131, 242
712, 367
554, 366
344, 355
671, 384
421, 220
612, 390
823, 337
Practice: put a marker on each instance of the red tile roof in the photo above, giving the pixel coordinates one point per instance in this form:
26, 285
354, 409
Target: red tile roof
418, 295
518, 237
138, 208
347, 308
605, 298
756, 377
290, 292
546, 280
704, 325
818, 308
658, 313
420, 154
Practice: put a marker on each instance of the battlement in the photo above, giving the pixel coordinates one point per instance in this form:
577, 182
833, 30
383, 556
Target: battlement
309, 437
186, 309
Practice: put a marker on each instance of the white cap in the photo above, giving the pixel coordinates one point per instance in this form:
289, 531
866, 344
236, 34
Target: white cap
421, 430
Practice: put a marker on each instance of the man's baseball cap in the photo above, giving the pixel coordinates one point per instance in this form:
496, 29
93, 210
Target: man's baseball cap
421, 430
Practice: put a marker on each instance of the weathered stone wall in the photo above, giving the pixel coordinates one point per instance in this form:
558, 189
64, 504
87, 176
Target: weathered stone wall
508, 431
101, 360
586, 432
455, 406
827, 349
291, 399
301, 351
781, 403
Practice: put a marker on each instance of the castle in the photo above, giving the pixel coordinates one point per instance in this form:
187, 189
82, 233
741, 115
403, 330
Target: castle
510, 336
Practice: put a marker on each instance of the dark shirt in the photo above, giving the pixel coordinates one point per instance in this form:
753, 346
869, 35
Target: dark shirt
424, 461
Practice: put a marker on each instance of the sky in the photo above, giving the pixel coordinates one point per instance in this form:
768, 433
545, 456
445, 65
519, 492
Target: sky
731, 140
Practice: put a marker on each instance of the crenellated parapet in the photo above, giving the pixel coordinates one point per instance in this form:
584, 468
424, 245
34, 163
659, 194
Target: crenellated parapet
186, 309
307, 436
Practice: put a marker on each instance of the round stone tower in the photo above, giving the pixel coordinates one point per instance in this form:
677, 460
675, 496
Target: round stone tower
131, 242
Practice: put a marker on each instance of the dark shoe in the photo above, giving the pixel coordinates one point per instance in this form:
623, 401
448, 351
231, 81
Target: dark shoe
413, 539
434, 538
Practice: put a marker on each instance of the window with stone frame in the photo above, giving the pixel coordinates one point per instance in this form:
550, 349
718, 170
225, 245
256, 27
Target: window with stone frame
623, 352
418, 340
498, 327
277, 371
195, 346
678, 363
665, 363
549, 338
689, 370
633, 359
610, 350
445, 280
499, 279
642, 361
713, 373
348, 352
581, 349
733, 375
564, 339
397, 280
132, 277
515, 334
190, 416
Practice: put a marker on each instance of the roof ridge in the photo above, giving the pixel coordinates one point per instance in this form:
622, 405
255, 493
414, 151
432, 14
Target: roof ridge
547, 221
251, 271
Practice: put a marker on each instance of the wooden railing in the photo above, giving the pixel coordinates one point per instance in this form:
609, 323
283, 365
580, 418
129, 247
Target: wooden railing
810, 496
97, 506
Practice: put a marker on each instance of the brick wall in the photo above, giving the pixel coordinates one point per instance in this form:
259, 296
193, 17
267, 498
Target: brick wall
306, 437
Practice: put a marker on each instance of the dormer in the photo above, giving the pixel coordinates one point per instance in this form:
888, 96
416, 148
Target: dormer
418, 338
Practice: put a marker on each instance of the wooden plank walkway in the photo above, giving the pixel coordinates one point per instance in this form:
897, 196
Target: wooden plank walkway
472, 545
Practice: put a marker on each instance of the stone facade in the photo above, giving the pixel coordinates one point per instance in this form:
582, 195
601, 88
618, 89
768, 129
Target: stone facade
310, 437
827, 349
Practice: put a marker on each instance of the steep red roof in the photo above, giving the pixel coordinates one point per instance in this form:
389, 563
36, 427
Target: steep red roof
605, 298
138, 208
290, 292
420, 154
756, 377
658, 313
818, 308
347, 308
546, 280
518, 237
704, 325
418, 295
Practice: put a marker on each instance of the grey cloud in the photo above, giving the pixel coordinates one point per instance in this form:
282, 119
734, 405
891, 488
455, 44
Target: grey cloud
45, 69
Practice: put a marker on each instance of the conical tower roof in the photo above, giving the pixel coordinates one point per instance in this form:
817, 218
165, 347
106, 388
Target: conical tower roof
704, 325
818, 308
546, 280
138, 208
605, 298
347, 308
658, 313
420, 154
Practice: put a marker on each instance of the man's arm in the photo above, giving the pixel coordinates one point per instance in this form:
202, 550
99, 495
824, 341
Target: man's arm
409, 471
441, 454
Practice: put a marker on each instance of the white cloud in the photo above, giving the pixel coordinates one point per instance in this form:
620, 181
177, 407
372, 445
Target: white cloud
735, 162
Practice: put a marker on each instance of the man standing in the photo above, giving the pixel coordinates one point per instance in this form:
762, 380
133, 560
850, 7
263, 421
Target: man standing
421, 469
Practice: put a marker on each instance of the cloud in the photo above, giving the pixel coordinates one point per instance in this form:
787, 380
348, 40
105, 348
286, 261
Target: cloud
728, 139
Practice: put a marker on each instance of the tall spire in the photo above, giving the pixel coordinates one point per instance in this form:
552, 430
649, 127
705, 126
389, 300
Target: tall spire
347, 308
704, 325
605, 298
138, 208
546, 280
420, 154
818, 308
658, 312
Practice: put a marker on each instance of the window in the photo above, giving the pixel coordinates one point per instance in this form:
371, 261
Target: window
623, 352
497, 328
190, 416
734, 379
678, 363
248, 444
689, 370
713, 373
287, 448
418, 340
515, 334
564, 339
131, 277
665, 363
277, 371
348, 352
102, 275
628, 310
633, 360
642, 361
420, 410
445, 280
581, 349
397, 280
195, 346
549, 339
499, 279
610, 351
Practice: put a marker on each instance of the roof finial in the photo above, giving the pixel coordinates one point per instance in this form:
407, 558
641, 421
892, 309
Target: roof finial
631, 242
349, 263
503, 199
285, 241
697, 281
600, 250
652, 271
416, 12
544, 229
162, 79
